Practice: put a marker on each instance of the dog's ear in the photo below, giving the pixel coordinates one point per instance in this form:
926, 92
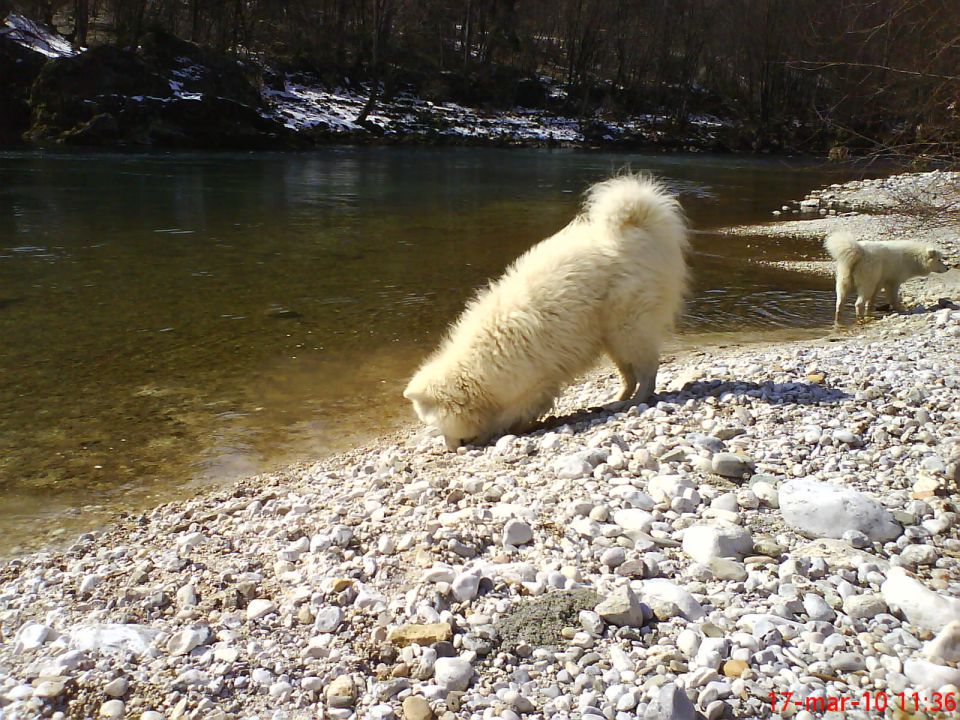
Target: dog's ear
424, 401
421, 393
418, 389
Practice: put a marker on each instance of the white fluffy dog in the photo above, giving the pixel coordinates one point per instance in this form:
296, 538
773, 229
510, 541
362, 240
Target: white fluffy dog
611, 281
870, 267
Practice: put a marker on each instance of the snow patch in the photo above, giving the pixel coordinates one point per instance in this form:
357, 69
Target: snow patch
36, 37
302, 106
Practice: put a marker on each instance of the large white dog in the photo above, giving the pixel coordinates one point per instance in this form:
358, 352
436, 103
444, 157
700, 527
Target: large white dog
612, 281
870, 267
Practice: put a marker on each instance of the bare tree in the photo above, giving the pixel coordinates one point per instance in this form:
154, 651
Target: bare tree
879, 75
384, 15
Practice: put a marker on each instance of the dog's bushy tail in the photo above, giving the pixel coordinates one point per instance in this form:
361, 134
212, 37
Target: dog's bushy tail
636, 201
843, 247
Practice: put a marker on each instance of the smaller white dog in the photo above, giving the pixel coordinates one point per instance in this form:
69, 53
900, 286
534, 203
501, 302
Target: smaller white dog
611, 282
872, 266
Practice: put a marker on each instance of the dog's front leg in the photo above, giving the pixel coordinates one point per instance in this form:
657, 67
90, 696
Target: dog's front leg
647, 383
860, 308
628, 379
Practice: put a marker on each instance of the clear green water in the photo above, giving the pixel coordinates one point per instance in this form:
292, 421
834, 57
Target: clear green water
172, 321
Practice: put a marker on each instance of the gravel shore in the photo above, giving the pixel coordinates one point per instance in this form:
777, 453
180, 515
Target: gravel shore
778, 533
924, 207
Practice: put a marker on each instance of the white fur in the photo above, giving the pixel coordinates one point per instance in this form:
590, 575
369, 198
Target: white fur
870, 267
612, 281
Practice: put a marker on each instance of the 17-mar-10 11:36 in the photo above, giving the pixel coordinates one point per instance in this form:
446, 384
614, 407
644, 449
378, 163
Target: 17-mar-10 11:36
876, 701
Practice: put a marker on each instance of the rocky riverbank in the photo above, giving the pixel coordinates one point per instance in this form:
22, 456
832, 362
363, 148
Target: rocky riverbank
915, 206
779, 527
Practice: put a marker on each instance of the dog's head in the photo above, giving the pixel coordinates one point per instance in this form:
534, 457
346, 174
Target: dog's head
934, 262
436, 409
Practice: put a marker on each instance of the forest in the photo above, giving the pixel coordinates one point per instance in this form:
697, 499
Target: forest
880, 75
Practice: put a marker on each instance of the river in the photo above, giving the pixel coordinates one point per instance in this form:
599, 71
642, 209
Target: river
170, 321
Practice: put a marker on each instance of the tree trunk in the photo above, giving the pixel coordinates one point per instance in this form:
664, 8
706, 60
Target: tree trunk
465, 31
195, 20
81, 21
369, 105
384, 11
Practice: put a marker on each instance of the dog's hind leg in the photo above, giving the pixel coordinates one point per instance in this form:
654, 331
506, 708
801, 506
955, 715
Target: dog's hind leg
877, 305
893, 294
844, 288
866, 289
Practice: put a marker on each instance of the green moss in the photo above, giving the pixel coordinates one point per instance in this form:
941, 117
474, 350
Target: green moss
538, 621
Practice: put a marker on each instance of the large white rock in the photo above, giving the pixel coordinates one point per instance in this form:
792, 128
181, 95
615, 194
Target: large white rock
670, 703
568, 467
182, 642
452, 673
328, 619
663, 488
30, 636
633, 497
465, 586
135, 639
820, 509
66, 663
663, 590
633, 519
260, 607
921, 606
512, 572
517, 532
341, 692
586, 527
865, 606
46, 689
704, 542
622, 608
930, 675
112, 709
731, 465
946, 645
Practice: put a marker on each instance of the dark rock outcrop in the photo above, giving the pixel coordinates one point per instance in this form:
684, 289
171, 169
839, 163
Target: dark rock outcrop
201, 70
19, 67
170, 93
70, 92
211, 122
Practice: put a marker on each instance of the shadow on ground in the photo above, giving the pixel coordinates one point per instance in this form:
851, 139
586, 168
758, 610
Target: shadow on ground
797, 393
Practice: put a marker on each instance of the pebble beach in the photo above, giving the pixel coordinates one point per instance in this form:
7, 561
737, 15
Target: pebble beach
776, 534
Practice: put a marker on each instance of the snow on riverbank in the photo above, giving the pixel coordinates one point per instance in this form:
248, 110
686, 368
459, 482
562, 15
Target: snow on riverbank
305, 106
782, 520
302, 107
37, 37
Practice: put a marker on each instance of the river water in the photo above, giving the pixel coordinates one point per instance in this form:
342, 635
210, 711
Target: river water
172, 321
